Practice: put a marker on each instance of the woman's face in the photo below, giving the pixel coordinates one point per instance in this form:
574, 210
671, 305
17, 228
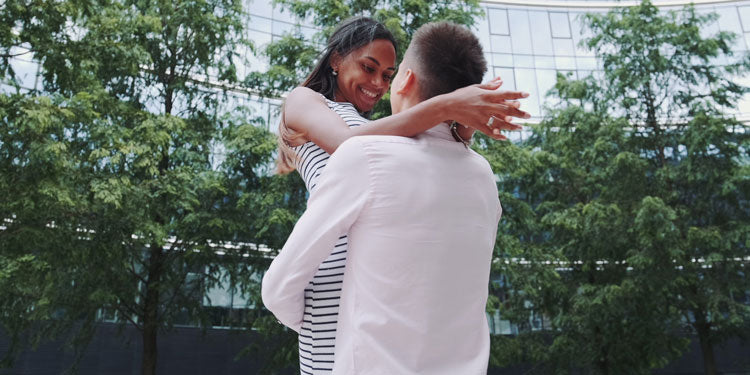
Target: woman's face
365, 74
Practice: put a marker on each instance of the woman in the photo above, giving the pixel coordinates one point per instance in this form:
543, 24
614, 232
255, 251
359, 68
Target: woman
353, 73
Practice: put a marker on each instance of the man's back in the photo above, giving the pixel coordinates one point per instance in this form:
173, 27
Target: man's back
422, 217
415, 284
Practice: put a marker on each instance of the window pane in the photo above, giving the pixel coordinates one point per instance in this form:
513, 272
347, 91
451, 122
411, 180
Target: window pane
26, 72
280, 28
563, 47
483, 31
509, 82
526, 81
729, 20
502, 59
743, 105
586, 63
308, 32
569, 74
498, 19
256, 63
565, 62
500, 44
545, 62
559, 24
261, 8
259, 38
524, 61
745, 17
585, 73
520, 32
281, 14
542, 37
260, 23
546, 80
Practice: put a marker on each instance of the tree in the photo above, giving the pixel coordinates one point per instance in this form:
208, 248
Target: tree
630, 214
114, 194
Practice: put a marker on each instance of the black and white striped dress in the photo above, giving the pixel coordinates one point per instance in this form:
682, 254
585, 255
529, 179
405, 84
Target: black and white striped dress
318, 332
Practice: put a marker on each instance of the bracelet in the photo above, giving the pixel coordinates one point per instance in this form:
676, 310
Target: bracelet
454, 132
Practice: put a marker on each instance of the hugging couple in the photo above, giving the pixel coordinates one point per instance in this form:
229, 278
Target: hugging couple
387, 270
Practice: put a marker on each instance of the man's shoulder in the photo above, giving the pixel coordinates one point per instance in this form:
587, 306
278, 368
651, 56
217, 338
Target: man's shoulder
369, 146
376, 139
481, 161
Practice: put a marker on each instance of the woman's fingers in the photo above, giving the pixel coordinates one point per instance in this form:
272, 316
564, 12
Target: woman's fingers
508, 109
513, 112
499, 96
495, 128
504, 123
499, 105
507, 103
492, 133
491, 85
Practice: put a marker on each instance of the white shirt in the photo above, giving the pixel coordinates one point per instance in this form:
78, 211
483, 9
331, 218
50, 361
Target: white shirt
422, 217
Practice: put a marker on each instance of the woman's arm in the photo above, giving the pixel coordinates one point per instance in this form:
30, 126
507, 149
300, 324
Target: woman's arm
307, 112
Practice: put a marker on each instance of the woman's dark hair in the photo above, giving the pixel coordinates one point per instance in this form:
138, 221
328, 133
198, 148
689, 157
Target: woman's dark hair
350, 35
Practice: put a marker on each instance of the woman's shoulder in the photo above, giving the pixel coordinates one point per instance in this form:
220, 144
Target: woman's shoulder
305, 93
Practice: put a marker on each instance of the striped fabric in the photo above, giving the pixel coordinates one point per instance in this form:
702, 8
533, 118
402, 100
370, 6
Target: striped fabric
318, 332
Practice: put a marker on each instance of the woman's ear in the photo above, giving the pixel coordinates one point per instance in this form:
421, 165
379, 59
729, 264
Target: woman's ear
335, 62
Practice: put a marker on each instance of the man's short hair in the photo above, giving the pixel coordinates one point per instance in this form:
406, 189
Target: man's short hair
447, 56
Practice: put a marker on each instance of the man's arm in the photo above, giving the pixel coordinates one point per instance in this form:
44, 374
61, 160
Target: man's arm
333, 208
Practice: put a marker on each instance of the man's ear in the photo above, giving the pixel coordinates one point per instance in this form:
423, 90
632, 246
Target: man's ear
407, 84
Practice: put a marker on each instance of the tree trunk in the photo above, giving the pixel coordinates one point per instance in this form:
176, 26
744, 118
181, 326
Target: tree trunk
707, 347
150, 308
602, 364
148, 365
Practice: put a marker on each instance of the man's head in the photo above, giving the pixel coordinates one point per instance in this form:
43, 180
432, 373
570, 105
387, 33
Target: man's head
441, 57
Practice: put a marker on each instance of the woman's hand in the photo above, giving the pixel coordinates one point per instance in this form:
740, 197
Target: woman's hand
475, 105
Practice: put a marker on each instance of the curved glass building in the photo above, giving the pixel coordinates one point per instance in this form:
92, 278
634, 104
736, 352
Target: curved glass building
526, 43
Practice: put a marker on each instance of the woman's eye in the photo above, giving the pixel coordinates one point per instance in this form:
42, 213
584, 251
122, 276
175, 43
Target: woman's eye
387, 78
368, 69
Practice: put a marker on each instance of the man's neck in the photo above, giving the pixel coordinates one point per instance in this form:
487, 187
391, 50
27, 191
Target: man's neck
465, 132
408, 102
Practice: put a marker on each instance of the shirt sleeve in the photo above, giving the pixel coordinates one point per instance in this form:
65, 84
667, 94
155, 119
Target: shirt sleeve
342, 193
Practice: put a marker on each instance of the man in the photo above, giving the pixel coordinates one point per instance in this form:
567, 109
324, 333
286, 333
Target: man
421, 214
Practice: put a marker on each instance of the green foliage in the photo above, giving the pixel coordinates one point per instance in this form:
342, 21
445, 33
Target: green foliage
123, 176
626, 210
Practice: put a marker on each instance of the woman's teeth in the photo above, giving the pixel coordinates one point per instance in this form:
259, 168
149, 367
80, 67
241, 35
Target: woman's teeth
369, 93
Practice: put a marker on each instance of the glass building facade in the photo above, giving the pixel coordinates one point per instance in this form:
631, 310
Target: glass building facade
528, 42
